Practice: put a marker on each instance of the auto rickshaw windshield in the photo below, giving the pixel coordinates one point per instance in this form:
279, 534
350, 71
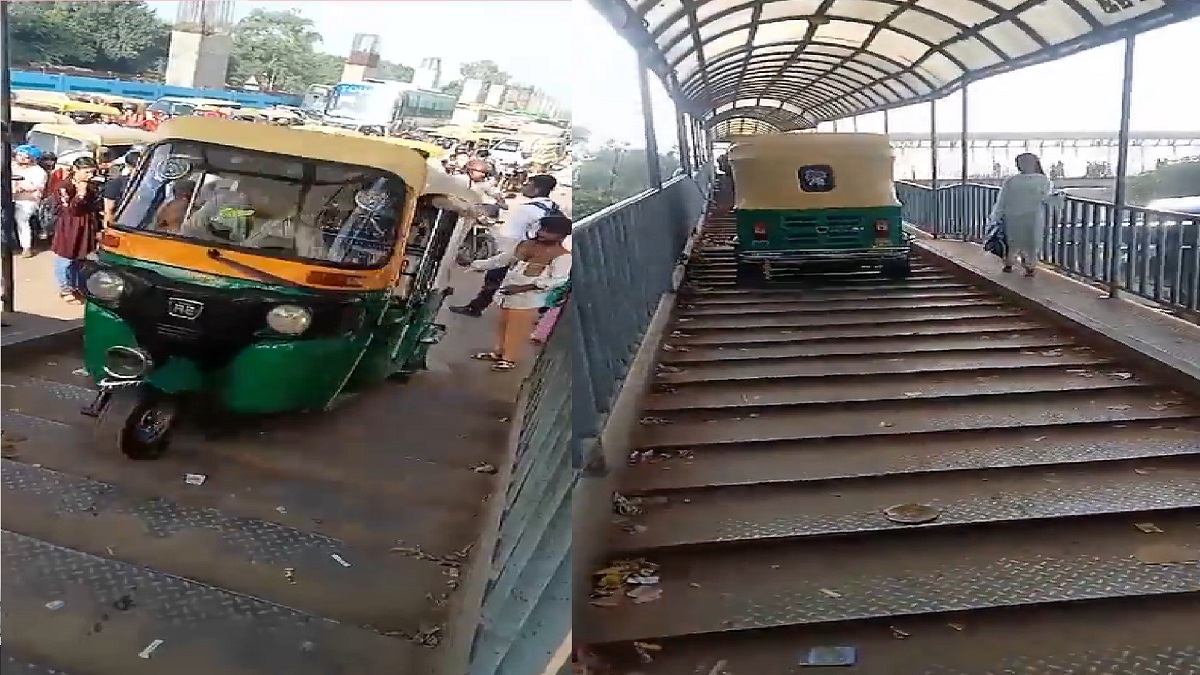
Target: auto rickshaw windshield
271, 205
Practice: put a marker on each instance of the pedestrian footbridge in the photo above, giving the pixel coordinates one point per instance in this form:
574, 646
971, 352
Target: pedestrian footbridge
960, 472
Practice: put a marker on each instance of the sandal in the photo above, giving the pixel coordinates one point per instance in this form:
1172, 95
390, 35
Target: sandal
1006, 268
486, 356
502, 365
1029, 271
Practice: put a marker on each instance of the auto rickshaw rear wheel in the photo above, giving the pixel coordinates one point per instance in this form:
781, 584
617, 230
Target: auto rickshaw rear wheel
138, 420
896, 269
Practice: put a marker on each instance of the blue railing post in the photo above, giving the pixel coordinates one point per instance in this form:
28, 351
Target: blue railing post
1117, 226
933, 168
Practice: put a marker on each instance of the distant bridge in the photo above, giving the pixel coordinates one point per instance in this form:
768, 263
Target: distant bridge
992, 154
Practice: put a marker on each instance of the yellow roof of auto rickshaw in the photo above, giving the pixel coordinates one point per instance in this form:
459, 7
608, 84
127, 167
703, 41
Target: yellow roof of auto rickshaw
354, 150
337, 131
24, 115
766, 171
432, 149
816, 144
98, 134
57, 101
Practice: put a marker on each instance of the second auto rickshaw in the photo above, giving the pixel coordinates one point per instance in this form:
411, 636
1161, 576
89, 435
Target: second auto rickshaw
257, 269
102, 142
816, 201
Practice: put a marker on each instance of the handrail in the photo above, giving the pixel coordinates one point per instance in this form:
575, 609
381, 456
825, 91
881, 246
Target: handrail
525, 616
1158, 255
625, 258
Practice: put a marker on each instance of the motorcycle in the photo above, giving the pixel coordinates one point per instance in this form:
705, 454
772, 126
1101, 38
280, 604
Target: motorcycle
512, 178
480, 243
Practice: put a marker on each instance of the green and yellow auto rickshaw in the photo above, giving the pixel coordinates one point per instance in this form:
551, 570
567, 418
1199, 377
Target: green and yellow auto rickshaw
256, 269
816, 201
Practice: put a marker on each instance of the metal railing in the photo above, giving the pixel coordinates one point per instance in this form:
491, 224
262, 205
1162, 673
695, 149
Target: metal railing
625, 257
526, 612
1158, 252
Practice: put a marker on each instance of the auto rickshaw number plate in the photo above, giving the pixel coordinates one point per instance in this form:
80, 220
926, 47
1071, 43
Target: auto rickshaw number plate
181, 308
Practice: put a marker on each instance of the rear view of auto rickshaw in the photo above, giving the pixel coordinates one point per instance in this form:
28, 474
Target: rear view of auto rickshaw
816, 202
258, 269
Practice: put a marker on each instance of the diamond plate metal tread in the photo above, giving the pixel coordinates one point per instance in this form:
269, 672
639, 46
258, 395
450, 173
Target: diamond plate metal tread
13, 665
1153, 637
720, 301
870, 364
203, 629
978, 344
848, 335
705, 428
950, 387
837, 306
896, 318
974, 585
1159, 660
760, 514
880, 289
246, 555
45, 398
885, 456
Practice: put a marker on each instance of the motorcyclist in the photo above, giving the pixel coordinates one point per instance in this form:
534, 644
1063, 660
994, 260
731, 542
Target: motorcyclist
486, 156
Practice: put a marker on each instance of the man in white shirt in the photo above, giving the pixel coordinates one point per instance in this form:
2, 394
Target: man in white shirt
522, 223
29, 180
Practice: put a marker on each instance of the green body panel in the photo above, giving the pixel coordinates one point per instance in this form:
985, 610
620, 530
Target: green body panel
278, 374
848, 229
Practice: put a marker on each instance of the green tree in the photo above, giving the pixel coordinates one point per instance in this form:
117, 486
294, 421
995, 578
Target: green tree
454, 88
485, 70
327, 69
395, 71
121, 37
278, 48
614, 173
1177, 179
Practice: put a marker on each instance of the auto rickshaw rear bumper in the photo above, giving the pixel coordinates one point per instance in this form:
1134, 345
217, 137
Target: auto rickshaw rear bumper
866, 255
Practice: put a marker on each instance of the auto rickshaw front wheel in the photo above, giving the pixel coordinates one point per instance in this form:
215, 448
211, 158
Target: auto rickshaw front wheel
138, 420
896, 269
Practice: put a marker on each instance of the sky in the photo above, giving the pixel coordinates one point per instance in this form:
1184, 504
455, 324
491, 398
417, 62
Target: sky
459, 31
1078, 93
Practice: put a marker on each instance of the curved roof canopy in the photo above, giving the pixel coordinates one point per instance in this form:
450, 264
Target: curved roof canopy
790, 64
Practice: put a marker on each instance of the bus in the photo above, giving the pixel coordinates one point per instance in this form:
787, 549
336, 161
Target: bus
390, 106
315, 99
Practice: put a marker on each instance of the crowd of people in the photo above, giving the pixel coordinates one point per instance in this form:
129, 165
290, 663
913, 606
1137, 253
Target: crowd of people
531, 270
61, 208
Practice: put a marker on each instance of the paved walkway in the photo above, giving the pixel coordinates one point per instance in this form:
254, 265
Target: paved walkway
35, 291
1157, 335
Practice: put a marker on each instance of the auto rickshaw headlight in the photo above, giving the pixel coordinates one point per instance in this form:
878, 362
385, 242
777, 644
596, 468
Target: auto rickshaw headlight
289, 319
104, 285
